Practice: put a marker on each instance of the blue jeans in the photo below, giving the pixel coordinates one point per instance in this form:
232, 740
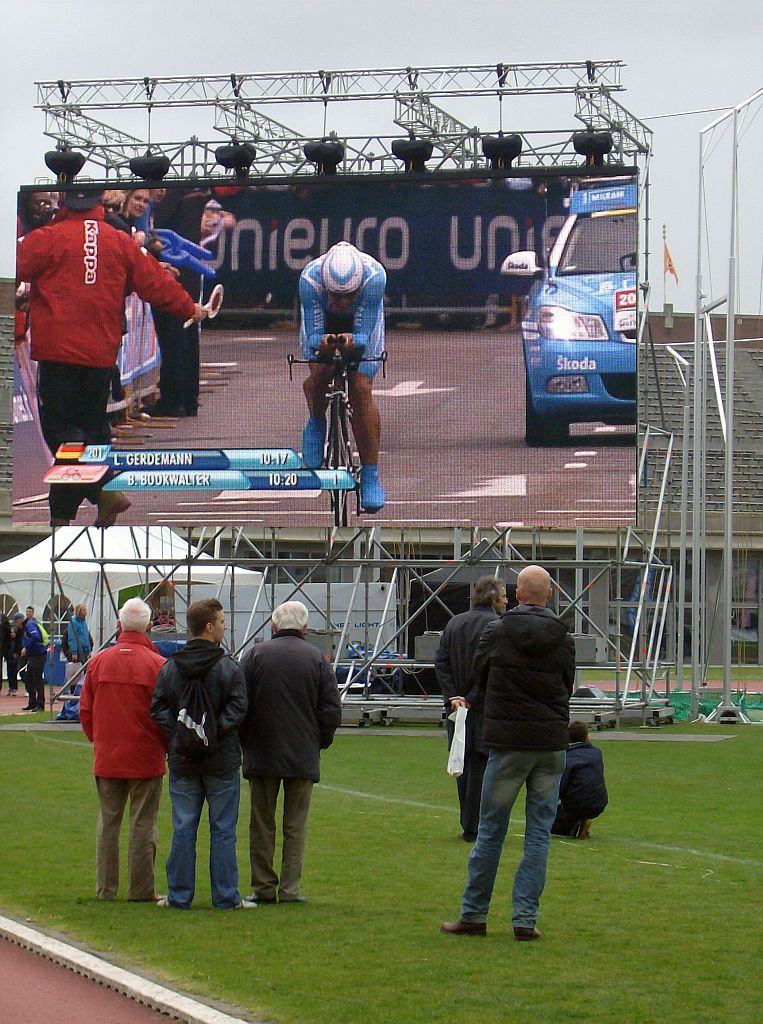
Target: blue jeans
188, 794
506, 772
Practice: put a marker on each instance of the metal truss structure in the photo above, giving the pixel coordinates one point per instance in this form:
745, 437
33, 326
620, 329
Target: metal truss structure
75, 111
626, 633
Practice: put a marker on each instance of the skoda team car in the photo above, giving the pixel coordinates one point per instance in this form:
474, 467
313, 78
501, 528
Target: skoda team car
579, 332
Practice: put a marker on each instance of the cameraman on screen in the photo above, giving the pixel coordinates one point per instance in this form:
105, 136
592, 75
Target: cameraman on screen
342, 302
80, 268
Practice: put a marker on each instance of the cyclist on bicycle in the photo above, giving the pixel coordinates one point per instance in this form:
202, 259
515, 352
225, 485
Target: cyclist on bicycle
342, 303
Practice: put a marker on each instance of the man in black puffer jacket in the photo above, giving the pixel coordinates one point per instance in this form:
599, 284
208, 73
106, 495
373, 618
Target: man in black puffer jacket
216, 778
524, 672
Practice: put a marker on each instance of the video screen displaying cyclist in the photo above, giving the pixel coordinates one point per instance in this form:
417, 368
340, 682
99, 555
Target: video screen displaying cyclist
342, 303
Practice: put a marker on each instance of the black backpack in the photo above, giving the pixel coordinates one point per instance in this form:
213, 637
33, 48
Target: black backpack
196, 733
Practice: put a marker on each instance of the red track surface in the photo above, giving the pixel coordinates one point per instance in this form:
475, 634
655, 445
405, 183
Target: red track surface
35, 991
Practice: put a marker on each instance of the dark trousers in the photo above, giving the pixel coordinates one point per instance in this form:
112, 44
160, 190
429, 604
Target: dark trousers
72, 402
469, 783
570, 819
12, 668
35, 684
179, 371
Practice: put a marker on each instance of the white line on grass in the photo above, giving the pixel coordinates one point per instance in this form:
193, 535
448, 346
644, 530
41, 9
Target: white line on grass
752, 862
627, 840
42, 738
422, 805
385, 799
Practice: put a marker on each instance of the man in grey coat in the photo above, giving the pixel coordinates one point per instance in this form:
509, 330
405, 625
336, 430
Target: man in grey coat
453, 665
294, 711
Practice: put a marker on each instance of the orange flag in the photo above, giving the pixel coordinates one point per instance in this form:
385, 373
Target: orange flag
669, 266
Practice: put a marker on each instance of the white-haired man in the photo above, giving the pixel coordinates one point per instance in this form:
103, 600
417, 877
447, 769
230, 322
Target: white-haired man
294, 711
129, 752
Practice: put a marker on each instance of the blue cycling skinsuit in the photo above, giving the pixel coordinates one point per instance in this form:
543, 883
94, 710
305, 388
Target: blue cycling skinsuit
365, 321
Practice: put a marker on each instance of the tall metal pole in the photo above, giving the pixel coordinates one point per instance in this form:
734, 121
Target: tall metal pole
728, 511
697, 377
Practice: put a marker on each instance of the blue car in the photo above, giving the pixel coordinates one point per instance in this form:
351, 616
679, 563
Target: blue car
579, 332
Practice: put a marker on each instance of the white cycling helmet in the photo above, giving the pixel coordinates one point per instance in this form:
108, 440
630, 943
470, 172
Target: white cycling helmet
342, 269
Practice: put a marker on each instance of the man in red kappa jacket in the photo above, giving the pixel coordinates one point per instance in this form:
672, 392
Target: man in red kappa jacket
80, 269
129, 750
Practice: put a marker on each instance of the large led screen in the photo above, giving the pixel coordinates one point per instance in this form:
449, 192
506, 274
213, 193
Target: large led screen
468, 358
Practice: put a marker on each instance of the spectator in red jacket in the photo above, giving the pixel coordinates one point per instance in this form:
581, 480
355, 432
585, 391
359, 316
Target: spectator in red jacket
129, 751
80, 268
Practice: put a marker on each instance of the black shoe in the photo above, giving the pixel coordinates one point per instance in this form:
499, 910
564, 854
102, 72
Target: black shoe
464, 928
28, 707
162, 411
295, 899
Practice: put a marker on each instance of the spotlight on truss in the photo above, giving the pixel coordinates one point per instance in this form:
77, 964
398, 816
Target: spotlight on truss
150, 167
65, 163
413, 153
237, 157
326, 155
593, 146
501, 150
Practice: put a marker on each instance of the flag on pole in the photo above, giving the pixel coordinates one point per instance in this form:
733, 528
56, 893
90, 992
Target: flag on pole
669, 266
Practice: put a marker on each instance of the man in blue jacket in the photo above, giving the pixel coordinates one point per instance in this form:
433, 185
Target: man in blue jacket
582, 791
34, 652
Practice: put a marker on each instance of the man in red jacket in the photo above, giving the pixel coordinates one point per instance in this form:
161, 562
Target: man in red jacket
80, 269
129, 753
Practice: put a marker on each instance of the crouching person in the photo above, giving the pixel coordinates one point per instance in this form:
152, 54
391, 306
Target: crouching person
129, 750
582, 790
199, 702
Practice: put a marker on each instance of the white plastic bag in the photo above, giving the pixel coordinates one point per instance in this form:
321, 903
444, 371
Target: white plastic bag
456, 755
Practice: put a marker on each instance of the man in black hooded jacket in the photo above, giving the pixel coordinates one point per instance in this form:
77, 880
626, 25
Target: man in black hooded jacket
524, 672
216, 778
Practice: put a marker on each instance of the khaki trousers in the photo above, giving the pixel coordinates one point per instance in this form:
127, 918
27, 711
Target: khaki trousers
262, 836
144, 796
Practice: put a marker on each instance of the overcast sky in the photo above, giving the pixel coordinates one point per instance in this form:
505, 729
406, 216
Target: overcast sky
681, 55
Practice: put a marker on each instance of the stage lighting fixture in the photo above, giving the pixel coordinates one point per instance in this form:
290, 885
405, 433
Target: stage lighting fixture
65, 163
237, 157
593, 146
326, 155
150, 167
413, 153
501, 150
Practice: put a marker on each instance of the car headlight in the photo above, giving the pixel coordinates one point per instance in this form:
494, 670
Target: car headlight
556, 322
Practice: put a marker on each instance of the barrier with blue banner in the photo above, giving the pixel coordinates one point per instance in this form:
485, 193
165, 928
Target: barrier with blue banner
441, 242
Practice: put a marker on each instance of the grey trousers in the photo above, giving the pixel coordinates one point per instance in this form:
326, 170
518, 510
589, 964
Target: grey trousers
144, 796
262, 836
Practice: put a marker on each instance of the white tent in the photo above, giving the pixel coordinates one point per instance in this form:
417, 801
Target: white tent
93, 566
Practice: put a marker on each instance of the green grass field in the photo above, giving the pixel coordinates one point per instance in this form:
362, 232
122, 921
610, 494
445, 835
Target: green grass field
656, 917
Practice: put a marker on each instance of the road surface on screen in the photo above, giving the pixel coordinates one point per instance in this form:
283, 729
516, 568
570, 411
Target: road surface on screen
453, 439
